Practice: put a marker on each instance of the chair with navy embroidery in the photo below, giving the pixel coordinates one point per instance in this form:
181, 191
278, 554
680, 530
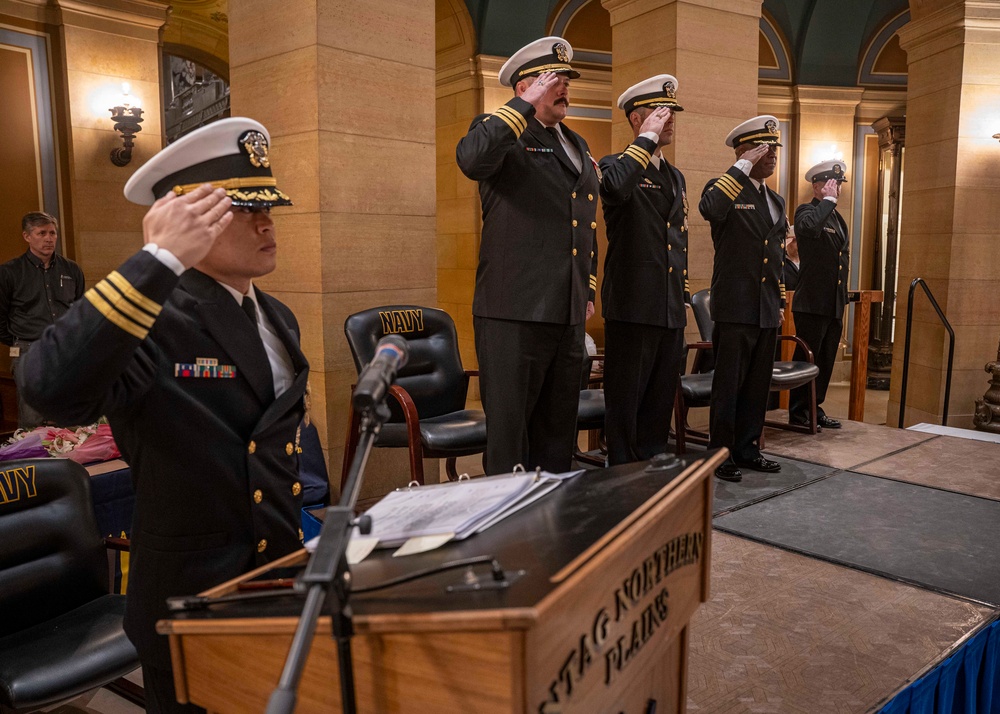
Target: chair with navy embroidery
427, 402
61, 634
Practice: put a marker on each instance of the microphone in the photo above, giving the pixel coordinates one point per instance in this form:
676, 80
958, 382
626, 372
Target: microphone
391, 354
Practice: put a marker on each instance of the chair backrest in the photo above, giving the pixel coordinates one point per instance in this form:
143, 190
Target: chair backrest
701, 307
433, 375
52, 558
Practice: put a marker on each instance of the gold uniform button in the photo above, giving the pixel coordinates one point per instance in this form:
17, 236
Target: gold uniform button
670, 269
765, 261
765, 241
302, 536
838, 282
574, 251
289, 449
763, 280
258, 496
262, 545
840, 267
252, 447
591, 254
298, 449
685, 272
685, 250
574, 223
668, 224
593, 224
669, 247
573, 194
782, 246
590, 197
296, 488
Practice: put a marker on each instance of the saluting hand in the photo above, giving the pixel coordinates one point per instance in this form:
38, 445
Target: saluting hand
188, 225
756, 153
656, 120
534, 94
831, 188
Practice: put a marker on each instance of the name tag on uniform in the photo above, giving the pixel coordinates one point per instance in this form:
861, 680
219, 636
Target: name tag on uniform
539, 149
204, 368
15, 351
744, 206
830, 230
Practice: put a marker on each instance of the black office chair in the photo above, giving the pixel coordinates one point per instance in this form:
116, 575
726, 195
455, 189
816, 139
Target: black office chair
695, 390
61, 634
429, 417
590, 415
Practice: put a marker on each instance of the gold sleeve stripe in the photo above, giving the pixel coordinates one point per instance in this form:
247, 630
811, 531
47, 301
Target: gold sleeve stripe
509, 123
726, 190
116, 317
122, 305
638, 148
640, 159
731, 182
126, 289
638, 153
517, 118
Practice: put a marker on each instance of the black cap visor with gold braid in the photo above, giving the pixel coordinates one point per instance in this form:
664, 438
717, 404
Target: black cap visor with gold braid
246, 176
653, 101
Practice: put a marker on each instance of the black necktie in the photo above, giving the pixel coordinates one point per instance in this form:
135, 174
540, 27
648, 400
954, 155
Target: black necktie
250, 308
767, 208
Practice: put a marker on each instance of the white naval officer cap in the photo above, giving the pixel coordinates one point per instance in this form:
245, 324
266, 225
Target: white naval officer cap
230, 153
658, 91
835, 169
759, 130
549, 54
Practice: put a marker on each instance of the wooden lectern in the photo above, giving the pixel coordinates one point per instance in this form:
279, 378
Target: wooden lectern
615, 563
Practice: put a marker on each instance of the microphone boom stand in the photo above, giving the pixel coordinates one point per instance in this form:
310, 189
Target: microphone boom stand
328, 573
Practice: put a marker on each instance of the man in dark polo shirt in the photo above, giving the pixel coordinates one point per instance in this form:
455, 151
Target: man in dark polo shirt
35, 289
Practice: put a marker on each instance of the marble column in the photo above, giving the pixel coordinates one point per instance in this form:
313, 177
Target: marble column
346, 90
950, 211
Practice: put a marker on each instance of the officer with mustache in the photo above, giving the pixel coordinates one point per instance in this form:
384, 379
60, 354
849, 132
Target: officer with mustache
537, 275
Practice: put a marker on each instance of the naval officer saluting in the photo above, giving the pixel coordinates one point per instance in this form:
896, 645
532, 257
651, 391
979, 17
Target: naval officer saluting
200, 375
748, 296
822, 291
537, 275
645, 275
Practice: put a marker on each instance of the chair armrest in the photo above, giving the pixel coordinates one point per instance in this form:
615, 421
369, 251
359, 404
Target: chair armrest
801, 343
410, 413
121, 544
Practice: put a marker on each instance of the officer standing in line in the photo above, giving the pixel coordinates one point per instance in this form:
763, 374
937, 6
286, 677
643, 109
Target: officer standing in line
748, 296
200, 375
822, 291
645, 286
537, 275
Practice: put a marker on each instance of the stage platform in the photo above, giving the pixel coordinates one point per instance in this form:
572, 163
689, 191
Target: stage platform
836, 583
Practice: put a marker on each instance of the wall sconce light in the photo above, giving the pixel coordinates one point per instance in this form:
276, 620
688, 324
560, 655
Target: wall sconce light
127, 116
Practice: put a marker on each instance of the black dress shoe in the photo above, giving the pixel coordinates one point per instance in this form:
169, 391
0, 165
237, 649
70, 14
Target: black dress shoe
827, 423
729, 472
761, 464
800, 421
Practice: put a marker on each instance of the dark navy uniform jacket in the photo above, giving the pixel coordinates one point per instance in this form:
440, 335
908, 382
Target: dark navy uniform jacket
214, 460
538, 255
645, 210
747, 282
824, 260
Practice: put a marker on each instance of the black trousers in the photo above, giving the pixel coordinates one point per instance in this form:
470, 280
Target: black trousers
529, 379
744, 358
160, 695
822, 334
642, 364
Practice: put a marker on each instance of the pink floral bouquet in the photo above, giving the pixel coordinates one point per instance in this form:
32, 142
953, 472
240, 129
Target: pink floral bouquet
84, 444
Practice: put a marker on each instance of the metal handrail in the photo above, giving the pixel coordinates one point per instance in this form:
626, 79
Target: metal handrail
906, 350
